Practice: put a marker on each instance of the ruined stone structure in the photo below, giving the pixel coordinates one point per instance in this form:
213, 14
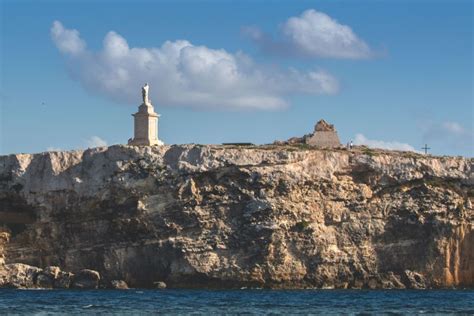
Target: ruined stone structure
324, 136
146, 123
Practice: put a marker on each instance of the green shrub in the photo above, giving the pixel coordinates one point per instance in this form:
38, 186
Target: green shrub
302, 225
301, 146
368, 151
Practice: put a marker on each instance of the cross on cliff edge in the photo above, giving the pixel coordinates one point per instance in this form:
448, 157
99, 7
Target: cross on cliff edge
426, 148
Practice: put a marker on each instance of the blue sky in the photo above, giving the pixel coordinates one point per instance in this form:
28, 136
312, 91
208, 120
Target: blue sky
393, 74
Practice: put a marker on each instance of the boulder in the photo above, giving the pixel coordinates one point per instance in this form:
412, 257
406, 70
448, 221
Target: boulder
52, 271
63, 280
392, 281
47, 277
44, 280
372, 284
119, 285
413, 280
159, 285
19, 275
86, 279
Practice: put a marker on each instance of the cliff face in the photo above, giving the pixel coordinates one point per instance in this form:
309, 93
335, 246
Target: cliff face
215, 216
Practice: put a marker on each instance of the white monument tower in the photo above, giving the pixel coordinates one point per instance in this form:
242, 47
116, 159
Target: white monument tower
146, 123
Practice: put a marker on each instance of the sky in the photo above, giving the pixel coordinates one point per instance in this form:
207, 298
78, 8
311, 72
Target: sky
388, 74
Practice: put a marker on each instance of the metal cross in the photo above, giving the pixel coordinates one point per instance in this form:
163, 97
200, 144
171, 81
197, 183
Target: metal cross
426, 148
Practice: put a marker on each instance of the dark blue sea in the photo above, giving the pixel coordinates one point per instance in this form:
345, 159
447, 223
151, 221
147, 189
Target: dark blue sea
258, 302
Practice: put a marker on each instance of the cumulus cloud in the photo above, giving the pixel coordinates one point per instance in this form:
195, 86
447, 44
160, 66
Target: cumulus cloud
95, 141
181, 73
360, 139
67, 41
312, 34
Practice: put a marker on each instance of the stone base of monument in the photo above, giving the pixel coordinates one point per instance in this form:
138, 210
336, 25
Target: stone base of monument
145, 142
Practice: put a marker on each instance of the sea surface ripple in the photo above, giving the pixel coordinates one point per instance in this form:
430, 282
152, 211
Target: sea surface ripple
256, 302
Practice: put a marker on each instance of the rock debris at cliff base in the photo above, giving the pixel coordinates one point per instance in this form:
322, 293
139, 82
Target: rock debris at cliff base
229, 217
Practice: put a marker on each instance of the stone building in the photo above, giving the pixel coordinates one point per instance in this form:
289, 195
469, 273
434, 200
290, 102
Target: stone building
324, 136
145, 123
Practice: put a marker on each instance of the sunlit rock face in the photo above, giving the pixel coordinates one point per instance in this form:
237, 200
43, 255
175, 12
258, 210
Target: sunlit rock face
258, 216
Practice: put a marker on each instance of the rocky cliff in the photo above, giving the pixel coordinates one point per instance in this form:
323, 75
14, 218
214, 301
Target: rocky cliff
257, 216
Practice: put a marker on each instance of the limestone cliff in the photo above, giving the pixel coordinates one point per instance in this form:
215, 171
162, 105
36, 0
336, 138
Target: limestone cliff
263, 216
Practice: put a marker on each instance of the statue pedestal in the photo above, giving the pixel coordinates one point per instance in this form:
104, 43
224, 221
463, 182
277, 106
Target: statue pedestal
145, 126
145, 142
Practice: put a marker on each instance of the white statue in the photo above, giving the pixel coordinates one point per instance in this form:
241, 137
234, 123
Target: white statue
145, 88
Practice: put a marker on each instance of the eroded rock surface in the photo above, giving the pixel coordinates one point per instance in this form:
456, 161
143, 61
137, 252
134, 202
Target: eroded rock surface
119, 285
24, 276
222, 216
86, 279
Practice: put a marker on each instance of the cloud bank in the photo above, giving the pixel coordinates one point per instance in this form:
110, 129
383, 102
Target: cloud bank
182, 74
312, 34
360, 139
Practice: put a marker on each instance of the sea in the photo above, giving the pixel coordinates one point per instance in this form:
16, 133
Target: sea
236, 302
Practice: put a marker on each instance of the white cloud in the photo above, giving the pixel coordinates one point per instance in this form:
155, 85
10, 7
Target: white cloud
317, 34
95, 141
180, 73
313, 34
360, 139
67, 41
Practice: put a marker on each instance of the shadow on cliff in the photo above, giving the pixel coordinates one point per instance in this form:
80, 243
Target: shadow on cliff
416, 239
